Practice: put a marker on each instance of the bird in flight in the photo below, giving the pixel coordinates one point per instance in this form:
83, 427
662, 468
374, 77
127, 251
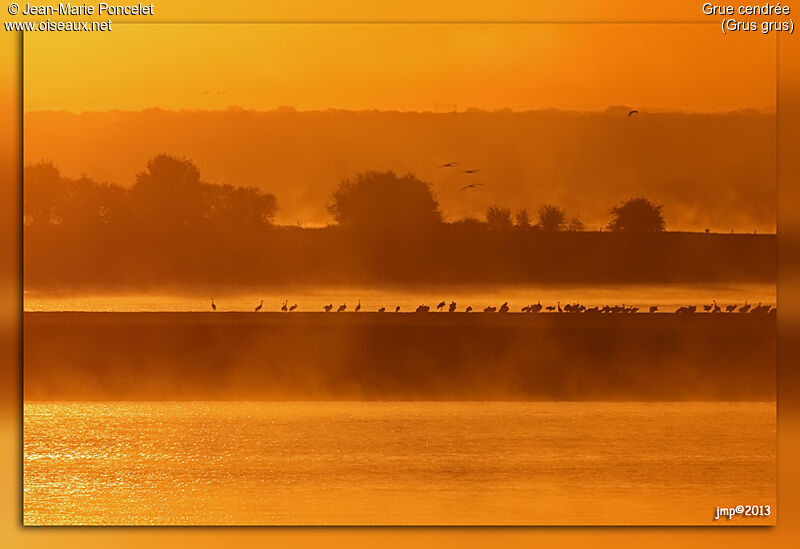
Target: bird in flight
472, 186
631, 113
448, 165
474, 170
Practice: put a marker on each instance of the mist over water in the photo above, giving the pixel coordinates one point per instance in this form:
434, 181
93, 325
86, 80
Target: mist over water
307, 298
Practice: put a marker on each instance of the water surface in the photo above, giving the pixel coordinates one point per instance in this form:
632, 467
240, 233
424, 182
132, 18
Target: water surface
396, 463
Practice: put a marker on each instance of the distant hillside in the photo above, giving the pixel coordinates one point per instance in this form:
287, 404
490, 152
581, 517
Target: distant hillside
709, 171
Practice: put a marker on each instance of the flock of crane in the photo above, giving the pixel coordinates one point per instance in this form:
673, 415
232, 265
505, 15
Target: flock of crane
452, 307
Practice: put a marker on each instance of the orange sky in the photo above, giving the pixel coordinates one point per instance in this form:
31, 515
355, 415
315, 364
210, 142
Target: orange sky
400, 66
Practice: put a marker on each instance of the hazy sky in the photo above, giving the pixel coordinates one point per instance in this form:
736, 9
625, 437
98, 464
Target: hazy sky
400, 66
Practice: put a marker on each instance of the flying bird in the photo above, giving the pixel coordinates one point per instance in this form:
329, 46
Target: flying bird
474, 170
448, 165
631, 113
472, 186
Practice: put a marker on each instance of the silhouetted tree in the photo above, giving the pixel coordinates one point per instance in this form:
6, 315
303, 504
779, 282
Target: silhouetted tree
576, 224
499, 218
469, 222
43, 192
385, 202
637, 215
523, 219
51, 199
238, 206
552, 218
170, 194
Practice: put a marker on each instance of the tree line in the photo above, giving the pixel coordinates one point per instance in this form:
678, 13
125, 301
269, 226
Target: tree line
170, 195
171, 227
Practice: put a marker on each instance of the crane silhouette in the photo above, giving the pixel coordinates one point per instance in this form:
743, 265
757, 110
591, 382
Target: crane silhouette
293, 307
358, 307
469, 309
341, 308
653, 308
382, 310
285, 307
472, 186
448, 164
397, 309
328, 307
730, 308
260, 305
213, 305
441, 305
474, 170
452, 307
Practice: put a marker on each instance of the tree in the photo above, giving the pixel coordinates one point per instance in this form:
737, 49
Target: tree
235, 207
552, 218
576, 225
43, 192
90, 205
384, 202
637, 215
523, 219
469, 222
499, 218
168, 193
